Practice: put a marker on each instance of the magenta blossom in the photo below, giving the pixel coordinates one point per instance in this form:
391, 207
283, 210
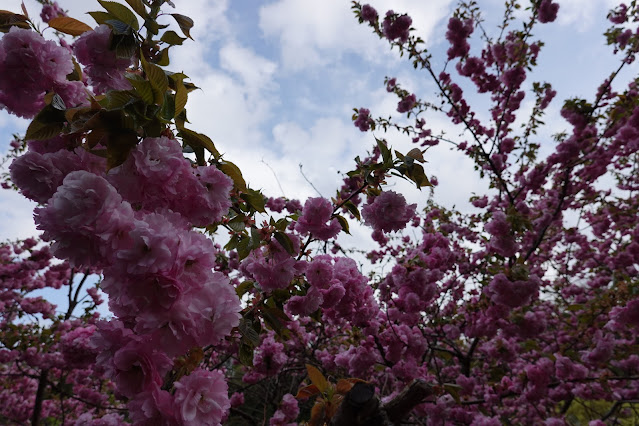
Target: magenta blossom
50, 11
369, 13
363, 120
388, 212
407, 103
396, 27
547, 11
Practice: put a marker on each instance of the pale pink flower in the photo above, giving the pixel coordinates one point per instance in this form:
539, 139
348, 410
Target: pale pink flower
39, 175
201, 398
316, 219
152, 407
50, 11
105, 71
138, 367
29, 67
83, 217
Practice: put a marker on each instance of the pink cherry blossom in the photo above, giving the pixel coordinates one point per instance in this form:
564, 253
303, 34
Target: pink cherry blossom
388, 212
29, 67
201, 398
104, 69
316, 219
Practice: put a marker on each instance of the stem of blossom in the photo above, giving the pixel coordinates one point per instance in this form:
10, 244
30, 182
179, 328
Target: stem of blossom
412, 395
309, 182
542, 233
616, 406
37, 406
74, 302
427, 66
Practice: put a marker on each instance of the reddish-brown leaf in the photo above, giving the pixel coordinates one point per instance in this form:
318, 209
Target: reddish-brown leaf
68, 25
318, 414
345, 385
307, 392
317, 378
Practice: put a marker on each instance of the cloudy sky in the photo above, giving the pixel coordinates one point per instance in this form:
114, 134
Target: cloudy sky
279, 79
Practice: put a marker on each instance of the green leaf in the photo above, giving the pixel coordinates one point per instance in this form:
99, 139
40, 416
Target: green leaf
121, 12
246, 354
118, 147
195, 139
352, 208
138, 7
181, 97
575, 307
152, 26
168, 107
171, 37
273, 317
386, 154
282, 224
244, 288
248, 332
119, 28
117, 99
344, 223
185, 24
48, 123
256, 239
101, 17
285, 241
142, 88
232, 171
163, 60
243, 247
158, 79
417, 175
76, 74
255, 199
124, 45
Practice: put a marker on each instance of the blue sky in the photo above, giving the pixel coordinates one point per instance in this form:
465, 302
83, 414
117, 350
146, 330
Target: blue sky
279, 80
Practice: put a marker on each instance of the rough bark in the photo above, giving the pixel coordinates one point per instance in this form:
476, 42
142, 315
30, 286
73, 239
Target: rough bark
362, 407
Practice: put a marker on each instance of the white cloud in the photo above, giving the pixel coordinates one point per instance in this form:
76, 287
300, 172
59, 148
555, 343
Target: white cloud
319, 33
582, 15
16, 216
255, 71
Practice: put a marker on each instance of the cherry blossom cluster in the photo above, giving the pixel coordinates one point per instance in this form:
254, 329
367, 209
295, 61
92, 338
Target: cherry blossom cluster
135, 223
510, 313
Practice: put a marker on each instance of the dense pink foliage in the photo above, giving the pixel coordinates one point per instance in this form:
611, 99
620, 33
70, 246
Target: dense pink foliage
514, 312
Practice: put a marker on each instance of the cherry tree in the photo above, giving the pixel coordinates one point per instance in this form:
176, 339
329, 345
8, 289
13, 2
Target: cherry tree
513, 314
